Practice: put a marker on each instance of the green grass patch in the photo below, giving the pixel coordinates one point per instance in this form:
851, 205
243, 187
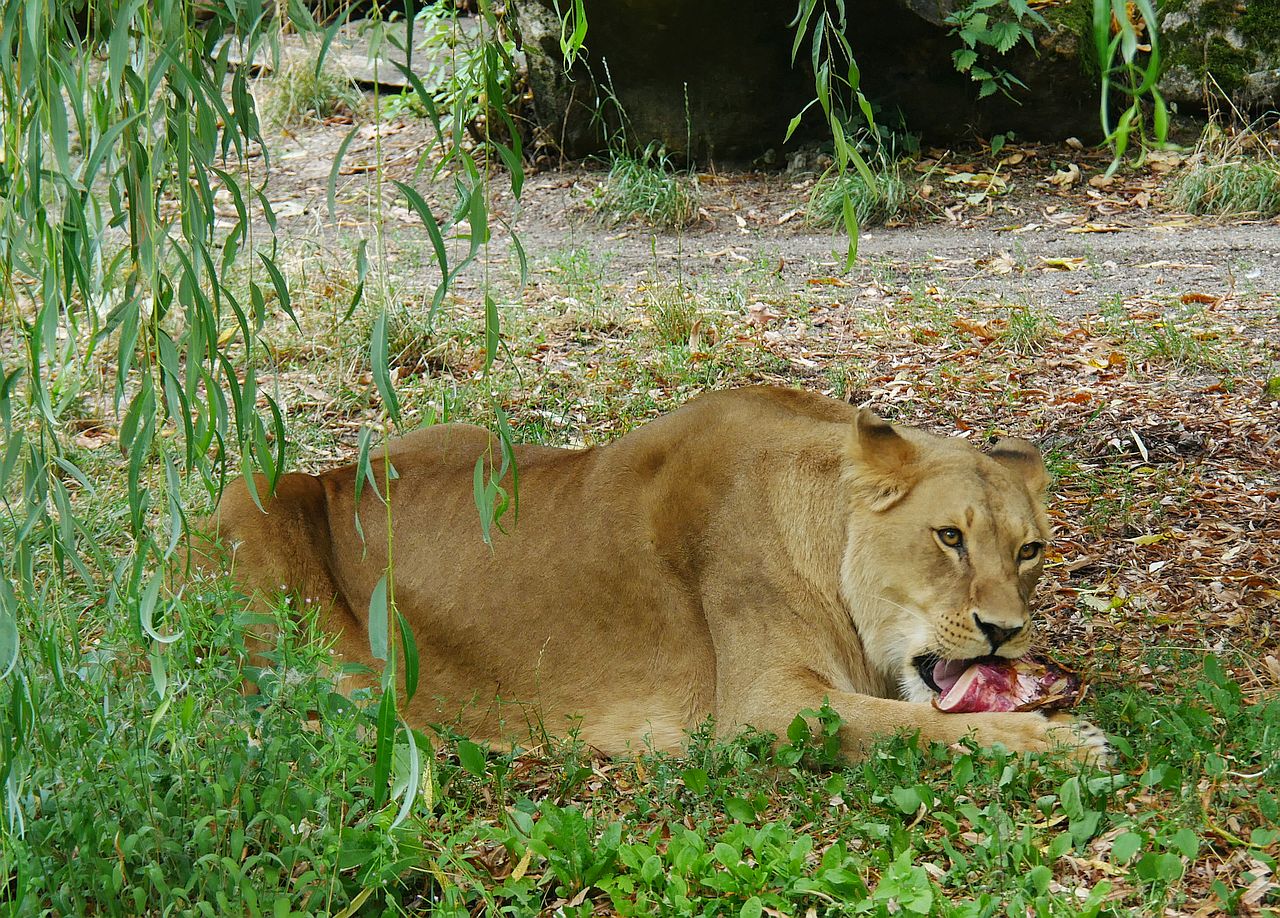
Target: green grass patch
647, 188
887, 198
297, 93
1232, 173
1233, 188
673, 313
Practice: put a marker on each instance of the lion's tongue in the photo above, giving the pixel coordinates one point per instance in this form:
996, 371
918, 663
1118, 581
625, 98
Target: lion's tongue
984, 686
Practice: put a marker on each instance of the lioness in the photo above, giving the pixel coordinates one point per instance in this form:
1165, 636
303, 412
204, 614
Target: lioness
744, 557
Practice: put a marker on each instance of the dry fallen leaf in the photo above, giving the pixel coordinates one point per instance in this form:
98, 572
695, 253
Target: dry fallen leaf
1066, 177
1062, 264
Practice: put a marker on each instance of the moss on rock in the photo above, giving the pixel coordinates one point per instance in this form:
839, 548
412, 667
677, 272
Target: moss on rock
1227, 47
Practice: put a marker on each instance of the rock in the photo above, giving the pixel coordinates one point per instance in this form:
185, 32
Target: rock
714, 78
1221, 49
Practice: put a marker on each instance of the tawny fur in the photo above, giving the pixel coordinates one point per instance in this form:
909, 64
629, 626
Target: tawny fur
744, 557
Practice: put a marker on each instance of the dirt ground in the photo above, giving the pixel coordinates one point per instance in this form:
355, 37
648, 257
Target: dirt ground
1033, 226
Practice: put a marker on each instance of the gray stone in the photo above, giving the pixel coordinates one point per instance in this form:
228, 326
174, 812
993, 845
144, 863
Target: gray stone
714, 77
1221, 50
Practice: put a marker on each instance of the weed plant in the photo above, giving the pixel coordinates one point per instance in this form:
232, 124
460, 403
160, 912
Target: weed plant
673, 314
1028, 328
297, 93
1223, 180
649, 189
887, 197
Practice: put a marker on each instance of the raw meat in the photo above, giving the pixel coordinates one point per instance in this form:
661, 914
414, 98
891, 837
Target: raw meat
995, 684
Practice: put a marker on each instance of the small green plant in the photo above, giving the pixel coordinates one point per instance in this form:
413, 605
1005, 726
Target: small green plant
886, 198
1172, 341
298, 93
673, 313
647, 188
1223, 179
580, 271
1130, 67
985, 36
578, 856
813, 739
1271, 387
1028, 329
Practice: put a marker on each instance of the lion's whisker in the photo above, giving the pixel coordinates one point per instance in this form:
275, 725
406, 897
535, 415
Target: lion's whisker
898, 605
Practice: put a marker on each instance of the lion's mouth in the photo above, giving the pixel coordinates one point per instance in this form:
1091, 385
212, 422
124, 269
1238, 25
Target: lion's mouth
941, 675
997, 684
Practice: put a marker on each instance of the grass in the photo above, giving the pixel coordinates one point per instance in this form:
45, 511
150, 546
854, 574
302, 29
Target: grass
296, 94
1231, 188
672, 312
647, 188
1027, 329
1177, 336
887, 198
1231, 174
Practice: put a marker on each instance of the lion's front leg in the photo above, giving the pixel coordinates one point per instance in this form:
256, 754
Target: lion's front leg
771, 705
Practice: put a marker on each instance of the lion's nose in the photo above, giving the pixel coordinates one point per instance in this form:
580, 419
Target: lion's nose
998, 635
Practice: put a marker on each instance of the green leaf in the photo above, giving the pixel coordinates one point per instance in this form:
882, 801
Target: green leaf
791, 128
740, 809
907, 799
1186, 842
423, 210
752, 908
378, 620
484, 501
409, 646
1004, 35
964, 59
472, 758
695, 779
851, 230
147, 610
492, 332
9, 640
412, 779
380, 365
336, 170
1159, 867
1126, 845
1069, 795
281, 287
384, 745
798, 732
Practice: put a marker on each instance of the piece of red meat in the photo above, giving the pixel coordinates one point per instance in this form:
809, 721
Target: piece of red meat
995, 684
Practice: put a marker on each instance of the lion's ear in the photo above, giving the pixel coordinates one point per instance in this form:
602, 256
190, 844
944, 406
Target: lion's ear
1022, 457
884, 462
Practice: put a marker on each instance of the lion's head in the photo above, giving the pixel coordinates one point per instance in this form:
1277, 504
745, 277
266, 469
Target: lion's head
945, 547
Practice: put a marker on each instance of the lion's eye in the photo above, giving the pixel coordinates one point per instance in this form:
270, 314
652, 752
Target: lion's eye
951, 537
1030, 551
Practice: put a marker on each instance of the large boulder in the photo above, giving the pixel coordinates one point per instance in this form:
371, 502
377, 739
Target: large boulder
1221, 48
714, 77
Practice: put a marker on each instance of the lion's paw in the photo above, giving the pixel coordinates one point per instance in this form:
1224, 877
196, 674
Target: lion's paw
1083, 740
1035, 732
